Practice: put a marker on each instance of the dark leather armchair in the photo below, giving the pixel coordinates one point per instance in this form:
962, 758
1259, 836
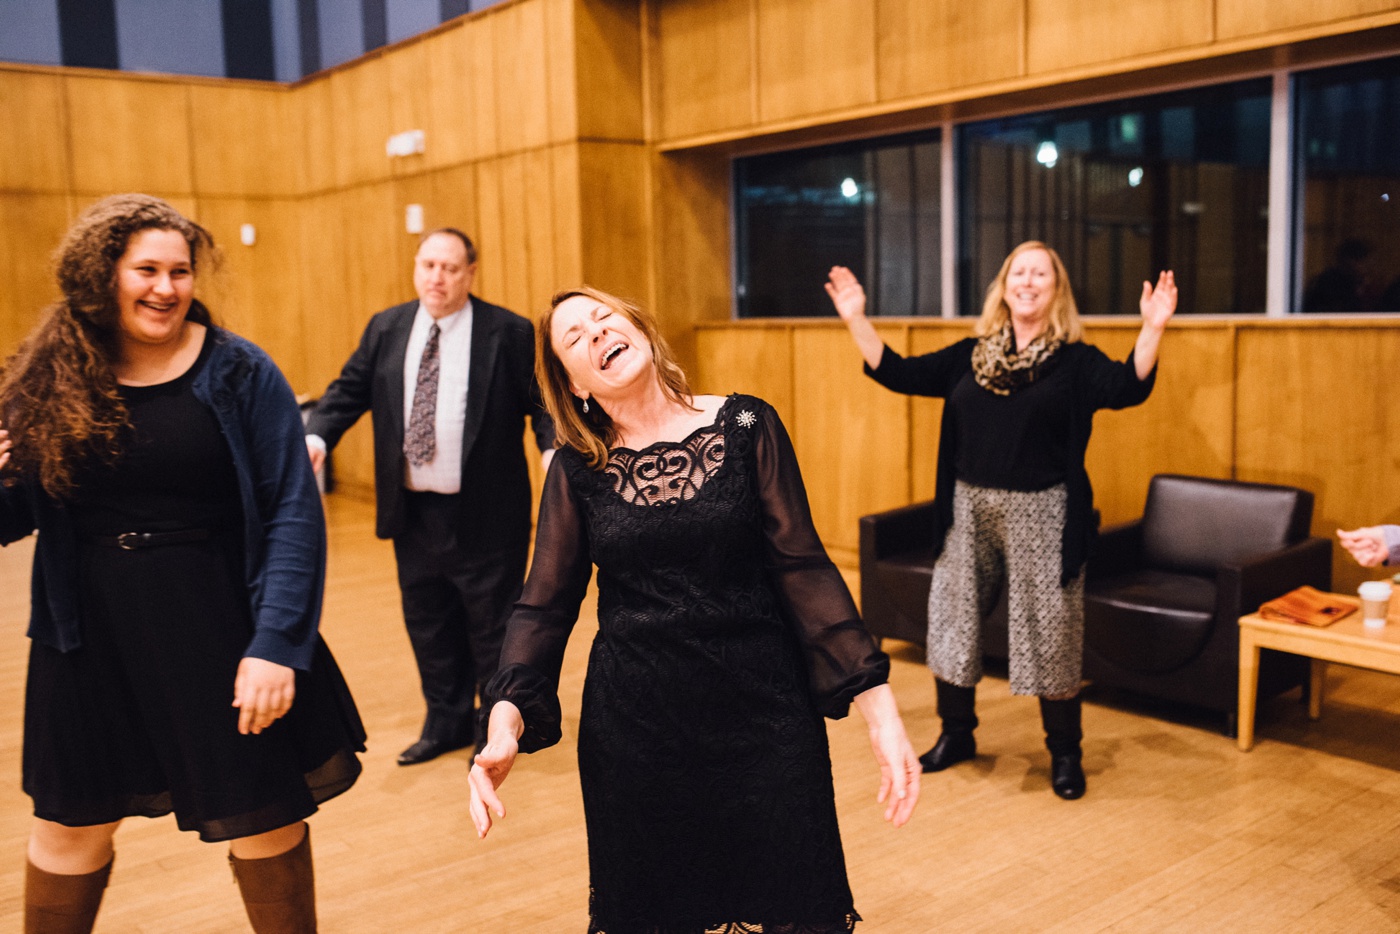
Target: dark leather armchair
1163, 595
896, 568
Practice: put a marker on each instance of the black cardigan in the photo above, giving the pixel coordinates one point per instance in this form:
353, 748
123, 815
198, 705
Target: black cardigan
1099, 383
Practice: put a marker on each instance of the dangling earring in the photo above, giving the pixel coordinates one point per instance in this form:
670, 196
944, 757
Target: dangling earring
585, 406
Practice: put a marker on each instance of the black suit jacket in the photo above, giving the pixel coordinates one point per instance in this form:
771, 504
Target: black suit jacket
501, 392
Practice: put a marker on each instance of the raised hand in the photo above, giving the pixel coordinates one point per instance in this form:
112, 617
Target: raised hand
1158, 304
846, 293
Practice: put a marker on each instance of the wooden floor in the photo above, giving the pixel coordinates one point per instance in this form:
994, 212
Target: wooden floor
1179, 831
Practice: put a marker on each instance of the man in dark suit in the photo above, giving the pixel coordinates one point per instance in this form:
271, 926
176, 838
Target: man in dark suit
448, 381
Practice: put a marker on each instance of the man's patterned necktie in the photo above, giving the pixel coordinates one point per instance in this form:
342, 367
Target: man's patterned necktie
420, 440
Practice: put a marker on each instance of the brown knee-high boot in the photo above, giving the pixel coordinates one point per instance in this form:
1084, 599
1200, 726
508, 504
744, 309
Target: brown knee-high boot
61, 904
279, 892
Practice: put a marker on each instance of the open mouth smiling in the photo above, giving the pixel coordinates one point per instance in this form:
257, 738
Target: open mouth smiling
611, 353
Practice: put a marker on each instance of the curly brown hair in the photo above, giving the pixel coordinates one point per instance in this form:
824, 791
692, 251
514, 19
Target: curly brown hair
58, 396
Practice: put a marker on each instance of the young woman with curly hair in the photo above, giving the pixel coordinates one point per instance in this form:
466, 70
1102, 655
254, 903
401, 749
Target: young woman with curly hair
175, 664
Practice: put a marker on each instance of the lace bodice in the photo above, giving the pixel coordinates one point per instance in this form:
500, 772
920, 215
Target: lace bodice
724, 635
666, 473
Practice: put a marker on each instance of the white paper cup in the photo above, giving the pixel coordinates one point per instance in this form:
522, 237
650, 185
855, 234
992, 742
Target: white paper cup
1375, 601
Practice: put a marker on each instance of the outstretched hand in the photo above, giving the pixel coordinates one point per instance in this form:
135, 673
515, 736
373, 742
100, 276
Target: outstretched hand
899, 771
490, 767
262, 691
846, 293
1159, 304
1366, 545
493, 763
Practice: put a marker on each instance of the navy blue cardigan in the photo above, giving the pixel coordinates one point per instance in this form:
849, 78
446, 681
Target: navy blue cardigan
284, 529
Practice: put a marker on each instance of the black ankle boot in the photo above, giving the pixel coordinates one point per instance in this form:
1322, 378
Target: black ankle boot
1062, 737
955, 744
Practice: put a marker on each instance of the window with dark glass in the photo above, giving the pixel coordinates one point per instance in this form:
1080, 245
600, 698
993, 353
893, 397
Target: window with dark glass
872, 206
1349, 172
1122, 190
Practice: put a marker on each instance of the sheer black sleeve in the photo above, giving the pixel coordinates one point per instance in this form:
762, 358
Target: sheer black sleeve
842, 658
931, 374
539, 627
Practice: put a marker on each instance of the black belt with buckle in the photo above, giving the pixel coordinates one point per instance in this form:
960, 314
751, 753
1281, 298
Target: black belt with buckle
134, 541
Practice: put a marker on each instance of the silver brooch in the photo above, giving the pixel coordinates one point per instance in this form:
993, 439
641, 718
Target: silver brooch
746, 418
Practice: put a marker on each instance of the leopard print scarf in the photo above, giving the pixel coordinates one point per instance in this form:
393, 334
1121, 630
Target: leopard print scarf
997, 369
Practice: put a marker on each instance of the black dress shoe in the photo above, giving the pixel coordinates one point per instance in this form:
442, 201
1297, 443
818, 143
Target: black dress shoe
426, 750
950, 749
1067, 776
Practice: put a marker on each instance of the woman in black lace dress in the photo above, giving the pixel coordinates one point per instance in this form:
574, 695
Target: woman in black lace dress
174, 661
725, 635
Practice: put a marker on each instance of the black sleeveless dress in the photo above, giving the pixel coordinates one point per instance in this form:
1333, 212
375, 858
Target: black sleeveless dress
138, 721
725, 634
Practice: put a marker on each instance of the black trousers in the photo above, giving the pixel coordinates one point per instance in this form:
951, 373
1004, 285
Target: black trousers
456, 600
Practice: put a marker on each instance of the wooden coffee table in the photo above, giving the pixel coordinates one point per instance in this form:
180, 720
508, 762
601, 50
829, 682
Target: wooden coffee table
1346, 641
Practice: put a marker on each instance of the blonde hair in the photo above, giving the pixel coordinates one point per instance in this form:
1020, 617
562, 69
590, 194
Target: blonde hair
1064, 312
592, 433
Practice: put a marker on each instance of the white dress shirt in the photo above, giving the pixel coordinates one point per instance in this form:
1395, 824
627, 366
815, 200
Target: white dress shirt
442, 474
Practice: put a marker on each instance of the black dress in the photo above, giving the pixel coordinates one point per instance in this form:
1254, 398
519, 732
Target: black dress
138, 721
724, 635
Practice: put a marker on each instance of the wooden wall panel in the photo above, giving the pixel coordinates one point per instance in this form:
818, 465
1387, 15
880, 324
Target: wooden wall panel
568, 218
691, 237
616, 242
852, 435
329, 324
543, 274
129, 135
931, 45
815, 56
410, 89
450, 202
1316, 411
522, 98
244, 141
483, 107
513, 250
491, 271
753, 359
360, 112
31, 226
1066, 33
925, 414
1236, 18
33, 147
561, 60
609, 47
705, 65
1185, 426
257, 291
377, 270
452, 98
312, 108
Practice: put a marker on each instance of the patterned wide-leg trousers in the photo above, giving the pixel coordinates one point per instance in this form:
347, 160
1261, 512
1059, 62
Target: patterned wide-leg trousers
1013, 537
